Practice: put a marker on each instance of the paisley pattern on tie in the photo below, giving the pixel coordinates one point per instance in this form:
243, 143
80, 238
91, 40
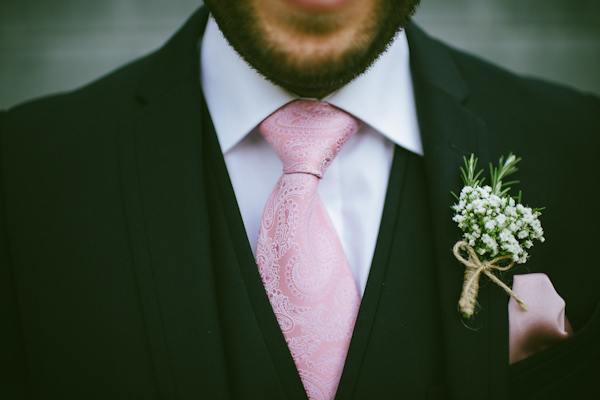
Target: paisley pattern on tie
299, 256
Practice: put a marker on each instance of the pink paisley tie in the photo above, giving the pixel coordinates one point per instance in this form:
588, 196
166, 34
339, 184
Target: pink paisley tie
299, 256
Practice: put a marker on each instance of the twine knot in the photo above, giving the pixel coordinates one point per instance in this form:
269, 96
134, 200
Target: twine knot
475, 268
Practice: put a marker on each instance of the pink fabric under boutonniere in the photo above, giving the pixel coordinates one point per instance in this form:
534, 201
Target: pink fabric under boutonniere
497, 229
545, 323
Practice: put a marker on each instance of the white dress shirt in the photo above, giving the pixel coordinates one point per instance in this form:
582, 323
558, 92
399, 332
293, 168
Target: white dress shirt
354, 187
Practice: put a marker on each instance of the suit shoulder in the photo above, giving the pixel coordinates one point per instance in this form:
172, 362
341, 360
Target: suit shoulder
493, 88
117, 93
60, 130
106, 97
500, 97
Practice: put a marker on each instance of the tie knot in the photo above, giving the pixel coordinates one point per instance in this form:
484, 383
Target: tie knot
307, 135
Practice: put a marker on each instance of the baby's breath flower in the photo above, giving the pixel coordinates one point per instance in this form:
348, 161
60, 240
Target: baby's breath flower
501, 220
490, 225
493, 223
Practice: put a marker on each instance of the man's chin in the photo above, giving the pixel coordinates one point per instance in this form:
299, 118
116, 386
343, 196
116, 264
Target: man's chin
308, 77
309, 87
311, 59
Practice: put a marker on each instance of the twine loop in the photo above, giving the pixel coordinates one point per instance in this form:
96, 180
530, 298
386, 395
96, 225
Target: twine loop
473, 271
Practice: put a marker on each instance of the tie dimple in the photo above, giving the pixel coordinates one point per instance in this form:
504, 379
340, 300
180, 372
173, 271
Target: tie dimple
300, 259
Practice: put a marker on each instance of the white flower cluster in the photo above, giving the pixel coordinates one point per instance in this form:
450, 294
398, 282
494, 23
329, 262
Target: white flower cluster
496, 226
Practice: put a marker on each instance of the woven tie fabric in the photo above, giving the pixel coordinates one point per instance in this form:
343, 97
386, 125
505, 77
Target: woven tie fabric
299, 256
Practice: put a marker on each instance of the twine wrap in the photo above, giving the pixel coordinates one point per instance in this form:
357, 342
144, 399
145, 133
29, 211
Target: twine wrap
475, 268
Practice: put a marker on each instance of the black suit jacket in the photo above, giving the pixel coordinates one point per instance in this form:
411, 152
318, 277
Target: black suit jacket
127, 273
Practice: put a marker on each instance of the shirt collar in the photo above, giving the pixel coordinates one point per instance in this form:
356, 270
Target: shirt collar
239, 98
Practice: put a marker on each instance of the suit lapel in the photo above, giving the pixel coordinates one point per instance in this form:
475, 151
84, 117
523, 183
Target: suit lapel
160, 181
165, 202
476, 360
198, 282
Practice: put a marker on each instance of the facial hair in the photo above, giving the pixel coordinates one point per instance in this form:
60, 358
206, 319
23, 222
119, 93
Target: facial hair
309, 77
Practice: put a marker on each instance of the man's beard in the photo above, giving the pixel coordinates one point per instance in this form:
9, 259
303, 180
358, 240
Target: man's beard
310, 78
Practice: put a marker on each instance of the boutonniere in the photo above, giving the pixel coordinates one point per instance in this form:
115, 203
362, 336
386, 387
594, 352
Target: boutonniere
497, 229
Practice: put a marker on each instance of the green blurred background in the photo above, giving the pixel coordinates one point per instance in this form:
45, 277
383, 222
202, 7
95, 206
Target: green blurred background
55, 45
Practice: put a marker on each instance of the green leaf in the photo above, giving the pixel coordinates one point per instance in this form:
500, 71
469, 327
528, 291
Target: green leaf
504, 169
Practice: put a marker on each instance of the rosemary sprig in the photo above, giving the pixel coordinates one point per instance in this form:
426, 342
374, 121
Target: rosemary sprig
470, 175
504, 169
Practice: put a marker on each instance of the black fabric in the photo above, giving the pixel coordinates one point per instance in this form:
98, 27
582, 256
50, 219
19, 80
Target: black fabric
403, 351
126, 271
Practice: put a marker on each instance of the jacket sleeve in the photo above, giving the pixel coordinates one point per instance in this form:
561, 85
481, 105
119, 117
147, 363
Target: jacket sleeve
13, 366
